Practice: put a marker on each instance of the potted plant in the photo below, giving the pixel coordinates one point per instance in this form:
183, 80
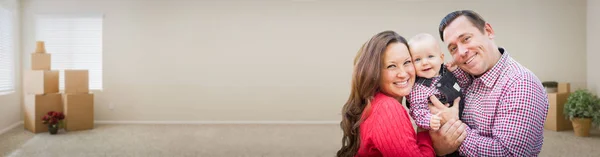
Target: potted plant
582, 108
54, 120
550, 86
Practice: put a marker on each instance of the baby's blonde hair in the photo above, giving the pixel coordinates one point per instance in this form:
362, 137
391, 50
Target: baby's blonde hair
423, 39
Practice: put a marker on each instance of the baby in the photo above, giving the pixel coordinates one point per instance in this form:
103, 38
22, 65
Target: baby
433, 78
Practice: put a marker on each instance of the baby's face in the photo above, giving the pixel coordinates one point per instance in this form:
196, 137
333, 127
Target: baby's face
427, 61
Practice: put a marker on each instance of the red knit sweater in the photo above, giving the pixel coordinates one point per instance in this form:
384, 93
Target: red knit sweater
387, 131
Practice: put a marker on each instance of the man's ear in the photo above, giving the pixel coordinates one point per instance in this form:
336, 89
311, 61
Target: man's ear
489, 31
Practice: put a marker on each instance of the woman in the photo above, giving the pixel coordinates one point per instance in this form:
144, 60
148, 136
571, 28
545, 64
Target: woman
374, 122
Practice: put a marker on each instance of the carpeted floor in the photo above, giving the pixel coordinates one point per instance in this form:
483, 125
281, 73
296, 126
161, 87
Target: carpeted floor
222, 140
177, 140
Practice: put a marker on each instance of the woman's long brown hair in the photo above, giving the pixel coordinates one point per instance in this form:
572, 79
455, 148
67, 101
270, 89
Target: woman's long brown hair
365, 83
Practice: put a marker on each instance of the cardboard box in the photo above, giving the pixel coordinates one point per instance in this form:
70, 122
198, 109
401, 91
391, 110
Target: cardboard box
556, 120
77, 81
564, 87
40, 81
40, 47
36, 106
79, 111
40, 61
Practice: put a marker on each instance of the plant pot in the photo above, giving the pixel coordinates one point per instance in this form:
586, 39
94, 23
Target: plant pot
53, 129
551, 90
581, 126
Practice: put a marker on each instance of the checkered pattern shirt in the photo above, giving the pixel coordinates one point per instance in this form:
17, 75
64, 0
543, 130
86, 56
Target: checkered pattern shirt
419, 102
505, 111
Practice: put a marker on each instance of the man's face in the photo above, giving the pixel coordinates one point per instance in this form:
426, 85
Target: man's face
470, 48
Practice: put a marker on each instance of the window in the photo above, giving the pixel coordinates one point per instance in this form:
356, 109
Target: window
7, 65
75, 42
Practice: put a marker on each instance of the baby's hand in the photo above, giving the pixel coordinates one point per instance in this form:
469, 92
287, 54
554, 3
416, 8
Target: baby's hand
451, 66
435, 122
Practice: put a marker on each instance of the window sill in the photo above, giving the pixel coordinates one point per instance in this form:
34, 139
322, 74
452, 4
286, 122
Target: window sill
3, 93
91, 90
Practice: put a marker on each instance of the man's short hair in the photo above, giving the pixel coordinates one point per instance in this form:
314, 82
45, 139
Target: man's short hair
475, 18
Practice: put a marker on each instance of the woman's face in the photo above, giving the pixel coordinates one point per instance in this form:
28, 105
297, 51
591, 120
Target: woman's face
398, 72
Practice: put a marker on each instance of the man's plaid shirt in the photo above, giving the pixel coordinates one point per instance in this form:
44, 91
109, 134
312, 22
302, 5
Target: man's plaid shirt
505, 110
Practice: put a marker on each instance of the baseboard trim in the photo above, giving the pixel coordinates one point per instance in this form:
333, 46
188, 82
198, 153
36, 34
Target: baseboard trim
10, 127
216, 122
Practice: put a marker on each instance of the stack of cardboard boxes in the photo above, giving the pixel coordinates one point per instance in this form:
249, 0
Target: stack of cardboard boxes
78, 101
42, 95
40, 87
556, 120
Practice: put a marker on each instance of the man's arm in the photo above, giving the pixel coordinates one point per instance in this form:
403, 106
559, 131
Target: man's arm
444, 112
449, 137
518, 126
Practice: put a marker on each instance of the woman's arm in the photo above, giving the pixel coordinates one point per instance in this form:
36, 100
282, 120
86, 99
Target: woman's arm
394, 134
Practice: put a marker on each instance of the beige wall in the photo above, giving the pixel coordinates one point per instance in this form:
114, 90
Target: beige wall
276, 60
10, 108
593, 40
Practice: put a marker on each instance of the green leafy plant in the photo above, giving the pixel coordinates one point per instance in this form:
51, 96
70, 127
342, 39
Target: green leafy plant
583, 104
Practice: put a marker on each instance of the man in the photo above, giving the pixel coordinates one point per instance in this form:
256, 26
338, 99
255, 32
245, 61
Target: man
505, 103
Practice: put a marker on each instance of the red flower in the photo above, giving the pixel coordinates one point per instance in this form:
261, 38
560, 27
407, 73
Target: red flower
53, 117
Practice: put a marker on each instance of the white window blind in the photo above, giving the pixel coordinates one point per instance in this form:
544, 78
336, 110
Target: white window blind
7, 69
75, 42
